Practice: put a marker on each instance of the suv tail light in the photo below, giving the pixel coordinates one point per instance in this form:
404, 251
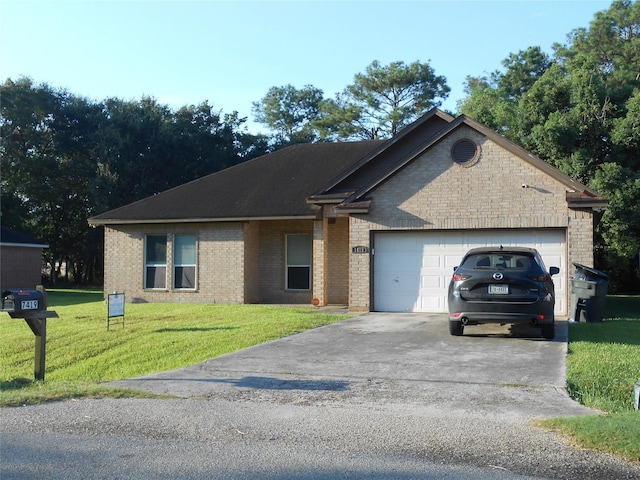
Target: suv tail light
540, 278
458, 276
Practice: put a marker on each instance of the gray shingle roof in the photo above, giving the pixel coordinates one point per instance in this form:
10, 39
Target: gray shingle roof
271, 186
10, 237
287, 183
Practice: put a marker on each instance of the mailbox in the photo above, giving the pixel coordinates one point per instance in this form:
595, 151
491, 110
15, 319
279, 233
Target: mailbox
31, 305
22, 300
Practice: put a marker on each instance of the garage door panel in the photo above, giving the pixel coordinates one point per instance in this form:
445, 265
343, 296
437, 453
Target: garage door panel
451, 261
430, 304
551, 260
398, 282
431, 261
400, 302
430, 281
412, 270
401, 261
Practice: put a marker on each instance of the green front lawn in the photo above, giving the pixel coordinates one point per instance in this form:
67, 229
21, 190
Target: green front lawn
81, 353
603, 366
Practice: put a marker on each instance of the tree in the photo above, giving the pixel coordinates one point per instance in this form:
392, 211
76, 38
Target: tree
590, 135
145, 148
493, 100
377, 105
130, 153
46, 167
65, 159
522, 71
290, 113
580, 112
626, 131
382, 101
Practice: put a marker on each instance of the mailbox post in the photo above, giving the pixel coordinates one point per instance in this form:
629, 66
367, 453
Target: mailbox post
31, 305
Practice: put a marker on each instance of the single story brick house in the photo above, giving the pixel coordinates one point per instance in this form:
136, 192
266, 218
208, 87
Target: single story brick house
20, 260
375, 225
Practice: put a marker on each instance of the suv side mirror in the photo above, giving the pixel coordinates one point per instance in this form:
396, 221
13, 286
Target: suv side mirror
554, 271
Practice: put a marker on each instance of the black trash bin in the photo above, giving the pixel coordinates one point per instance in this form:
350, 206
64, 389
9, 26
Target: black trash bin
588, 294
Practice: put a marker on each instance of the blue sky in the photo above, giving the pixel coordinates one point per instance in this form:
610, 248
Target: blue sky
231, 52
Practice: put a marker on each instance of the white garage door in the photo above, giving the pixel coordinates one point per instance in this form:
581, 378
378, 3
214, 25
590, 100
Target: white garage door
411, 270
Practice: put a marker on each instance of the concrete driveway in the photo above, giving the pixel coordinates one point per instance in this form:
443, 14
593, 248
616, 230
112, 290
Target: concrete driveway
391, 358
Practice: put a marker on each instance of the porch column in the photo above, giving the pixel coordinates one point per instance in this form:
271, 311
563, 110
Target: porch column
320, 259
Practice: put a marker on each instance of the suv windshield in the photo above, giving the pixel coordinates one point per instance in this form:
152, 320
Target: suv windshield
501, 261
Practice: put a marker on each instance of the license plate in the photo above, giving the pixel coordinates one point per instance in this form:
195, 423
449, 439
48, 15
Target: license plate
30, 305
499, 289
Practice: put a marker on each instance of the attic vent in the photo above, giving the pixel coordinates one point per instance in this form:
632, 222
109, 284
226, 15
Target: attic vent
465, 151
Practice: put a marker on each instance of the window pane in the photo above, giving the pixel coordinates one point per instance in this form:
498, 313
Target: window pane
185, 277
155, 261
184, 250
156, 277
156, 250
298, 278
298, 250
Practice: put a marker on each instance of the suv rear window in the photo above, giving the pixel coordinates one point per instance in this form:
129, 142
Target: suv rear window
500, 261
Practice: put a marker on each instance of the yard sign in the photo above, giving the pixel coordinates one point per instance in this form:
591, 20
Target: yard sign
116, 307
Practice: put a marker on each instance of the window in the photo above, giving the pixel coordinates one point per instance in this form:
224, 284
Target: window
184, 261
155, 271
298, 262
500, 261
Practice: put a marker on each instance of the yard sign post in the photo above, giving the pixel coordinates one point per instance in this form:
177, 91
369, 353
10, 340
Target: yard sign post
115, 301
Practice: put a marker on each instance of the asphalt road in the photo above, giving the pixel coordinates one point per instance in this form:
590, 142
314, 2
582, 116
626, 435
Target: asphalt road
390, 396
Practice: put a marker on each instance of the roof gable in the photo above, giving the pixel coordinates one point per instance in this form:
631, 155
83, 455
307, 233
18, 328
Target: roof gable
388, 153
578, 195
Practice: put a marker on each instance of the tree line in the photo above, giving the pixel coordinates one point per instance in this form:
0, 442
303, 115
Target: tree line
65, 158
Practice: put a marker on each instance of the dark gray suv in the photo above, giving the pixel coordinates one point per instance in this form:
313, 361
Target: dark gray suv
505, 285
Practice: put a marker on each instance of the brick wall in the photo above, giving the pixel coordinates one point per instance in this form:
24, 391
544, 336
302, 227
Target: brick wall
252, 262
237, 263
580, 238
330, 265
320, 261
21, 267
220, 263
272, 288
434, 193
338, 261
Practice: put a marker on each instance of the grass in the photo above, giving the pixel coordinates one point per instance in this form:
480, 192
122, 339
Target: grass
603, 366
81, 353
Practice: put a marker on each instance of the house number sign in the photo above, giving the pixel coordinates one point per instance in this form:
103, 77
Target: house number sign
360, 250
